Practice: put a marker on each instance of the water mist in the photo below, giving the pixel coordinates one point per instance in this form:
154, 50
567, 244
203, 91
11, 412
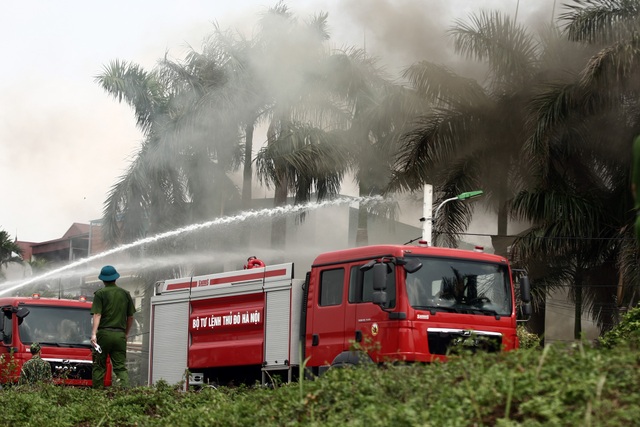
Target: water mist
241, 217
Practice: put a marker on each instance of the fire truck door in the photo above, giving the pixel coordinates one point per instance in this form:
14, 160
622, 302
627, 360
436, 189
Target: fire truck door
326, 336
6, 336
367, 321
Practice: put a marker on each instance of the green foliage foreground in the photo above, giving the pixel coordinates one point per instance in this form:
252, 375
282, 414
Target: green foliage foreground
563, 386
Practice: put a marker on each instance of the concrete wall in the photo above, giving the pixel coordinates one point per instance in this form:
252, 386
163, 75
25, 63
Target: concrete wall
560, 319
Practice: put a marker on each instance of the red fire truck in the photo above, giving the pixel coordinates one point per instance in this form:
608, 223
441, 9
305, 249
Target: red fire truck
61, 326
373, 303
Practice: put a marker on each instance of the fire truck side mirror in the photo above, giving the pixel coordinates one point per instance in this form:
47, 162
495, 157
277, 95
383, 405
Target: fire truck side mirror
5, 313
525, 289
380, 277
526, 310
411, 265
379, 296
22, 312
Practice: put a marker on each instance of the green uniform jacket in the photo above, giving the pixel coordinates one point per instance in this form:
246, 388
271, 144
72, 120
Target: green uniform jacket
35, 370
114, 305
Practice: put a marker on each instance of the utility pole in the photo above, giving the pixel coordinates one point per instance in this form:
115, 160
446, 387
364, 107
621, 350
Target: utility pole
428, 218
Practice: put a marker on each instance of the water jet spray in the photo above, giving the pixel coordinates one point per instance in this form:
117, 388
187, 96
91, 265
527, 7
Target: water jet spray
241, 217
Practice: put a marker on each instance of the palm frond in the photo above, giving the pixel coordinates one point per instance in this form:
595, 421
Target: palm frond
130, 83
442, 86
507, 47
309, 157
8, 248
600, 21
616, 65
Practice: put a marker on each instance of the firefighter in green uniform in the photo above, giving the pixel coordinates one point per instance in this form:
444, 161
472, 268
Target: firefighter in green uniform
112, 311
35, 370
635, 182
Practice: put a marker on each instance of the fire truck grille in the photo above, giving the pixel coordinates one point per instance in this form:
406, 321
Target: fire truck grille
70, 369
459, 341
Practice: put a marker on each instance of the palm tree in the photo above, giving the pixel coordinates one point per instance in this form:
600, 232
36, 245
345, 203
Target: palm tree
476, 135
302, 153
243, 90
170, 179
379, 111
473, 136
130, 199
10, 252
581, 143
204, 131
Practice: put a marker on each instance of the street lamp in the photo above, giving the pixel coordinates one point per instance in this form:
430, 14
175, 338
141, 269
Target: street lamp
461, 196
426, 229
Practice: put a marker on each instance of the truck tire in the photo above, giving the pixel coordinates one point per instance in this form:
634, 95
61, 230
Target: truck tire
350, 358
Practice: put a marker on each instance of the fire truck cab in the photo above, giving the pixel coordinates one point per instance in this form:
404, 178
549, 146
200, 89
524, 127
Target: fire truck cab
408, 303
62, 327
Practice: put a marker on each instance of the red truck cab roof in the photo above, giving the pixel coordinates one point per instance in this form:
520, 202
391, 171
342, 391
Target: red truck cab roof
60, 302
376, 251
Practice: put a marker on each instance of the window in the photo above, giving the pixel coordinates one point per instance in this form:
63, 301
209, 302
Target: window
361, 286
60, 325
443, 282
331, 285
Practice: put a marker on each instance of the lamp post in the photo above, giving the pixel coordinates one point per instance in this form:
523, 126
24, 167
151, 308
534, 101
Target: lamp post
427, 219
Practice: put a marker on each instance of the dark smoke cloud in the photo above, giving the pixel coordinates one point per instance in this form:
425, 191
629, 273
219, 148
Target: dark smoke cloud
401, 32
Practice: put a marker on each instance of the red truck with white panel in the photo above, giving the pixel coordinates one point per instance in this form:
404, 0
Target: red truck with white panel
374, 303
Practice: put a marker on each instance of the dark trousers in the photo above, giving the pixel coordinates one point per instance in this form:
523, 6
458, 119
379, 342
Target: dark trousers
114, 345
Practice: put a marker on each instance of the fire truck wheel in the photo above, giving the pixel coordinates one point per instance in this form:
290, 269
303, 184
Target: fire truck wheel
350, 358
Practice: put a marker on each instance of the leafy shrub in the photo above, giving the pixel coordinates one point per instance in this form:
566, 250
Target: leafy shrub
627, 331
559, 385
527, 339
9, 369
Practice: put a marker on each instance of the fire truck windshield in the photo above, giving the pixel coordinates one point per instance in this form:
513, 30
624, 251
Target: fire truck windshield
57, 326
462, 286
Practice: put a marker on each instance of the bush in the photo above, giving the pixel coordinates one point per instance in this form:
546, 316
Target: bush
527, 339
558, 385
9, 369
627, 331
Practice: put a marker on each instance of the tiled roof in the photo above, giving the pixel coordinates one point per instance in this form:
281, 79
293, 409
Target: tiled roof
76, 229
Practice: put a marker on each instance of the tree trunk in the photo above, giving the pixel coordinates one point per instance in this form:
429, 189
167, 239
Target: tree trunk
279, 228
247, 170
503, 209
247, 173
577, 293
362, 233
501, 242
503, 218
279, 223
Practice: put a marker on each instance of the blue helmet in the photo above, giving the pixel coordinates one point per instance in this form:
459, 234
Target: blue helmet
108, 274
